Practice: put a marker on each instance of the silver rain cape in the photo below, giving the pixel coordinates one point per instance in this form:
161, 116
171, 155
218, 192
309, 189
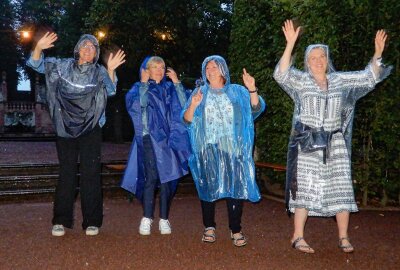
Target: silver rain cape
76, 94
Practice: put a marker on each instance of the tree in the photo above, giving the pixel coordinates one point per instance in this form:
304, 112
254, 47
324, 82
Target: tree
63, 17
9, 55
160, 28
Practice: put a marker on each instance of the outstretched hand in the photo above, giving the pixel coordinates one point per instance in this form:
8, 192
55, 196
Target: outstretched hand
249, 81
197, 98
290, 33
380, 39
46, 41
116, 60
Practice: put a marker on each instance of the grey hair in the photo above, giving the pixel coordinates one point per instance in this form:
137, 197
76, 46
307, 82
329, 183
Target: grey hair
154, 59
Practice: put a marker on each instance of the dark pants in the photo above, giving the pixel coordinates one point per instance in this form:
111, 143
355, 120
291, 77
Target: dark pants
235, 208
88, 149
151, 184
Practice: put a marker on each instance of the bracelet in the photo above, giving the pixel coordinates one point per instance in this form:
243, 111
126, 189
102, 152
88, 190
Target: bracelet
379, 62
255, 91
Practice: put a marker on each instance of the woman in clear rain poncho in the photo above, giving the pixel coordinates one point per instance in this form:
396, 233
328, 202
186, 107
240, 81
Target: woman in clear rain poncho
318, 180
160, 149
76, 92
220, 116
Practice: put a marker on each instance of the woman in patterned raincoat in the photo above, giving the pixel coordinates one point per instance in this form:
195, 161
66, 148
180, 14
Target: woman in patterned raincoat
318, 181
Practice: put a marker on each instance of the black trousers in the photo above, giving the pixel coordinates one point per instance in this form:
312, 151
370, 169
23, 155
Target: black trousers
88, 149
235, 209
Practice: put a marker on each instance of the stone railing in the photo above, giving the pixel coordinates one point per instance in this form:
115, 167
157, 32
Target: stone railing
19, 106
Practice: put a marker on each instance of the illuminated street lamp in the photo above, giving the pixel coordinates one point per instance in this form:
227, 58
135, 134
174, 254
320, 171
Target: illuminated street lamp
101, 35
25, 34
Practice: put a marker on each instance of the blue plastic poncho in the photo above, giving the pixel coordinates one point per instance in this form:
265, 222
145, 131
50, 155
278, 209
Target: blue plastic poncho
221, 163
168, 135
76, 94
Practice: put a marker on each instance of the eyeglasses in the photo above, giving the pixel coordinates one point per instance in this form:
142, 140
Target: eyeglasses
88, 47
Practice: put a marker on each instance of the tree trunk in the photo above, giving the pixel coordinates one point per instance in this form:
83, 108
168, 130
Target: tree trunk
399, 198
365, 180
365, 197
384, 199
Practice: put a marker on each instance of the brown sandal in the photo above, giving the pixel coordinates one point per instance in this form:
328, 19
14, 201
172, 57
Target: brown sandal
303, 248
345, 248
237, 240
209, 237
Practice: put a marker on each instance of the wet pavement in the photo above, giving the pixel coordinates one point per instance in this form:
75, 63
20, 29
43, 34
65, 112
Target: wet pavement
22, 152
26, 241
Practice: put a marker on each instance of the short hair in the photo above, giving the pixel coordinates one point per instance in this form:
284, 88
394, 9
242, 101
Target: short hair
154, 59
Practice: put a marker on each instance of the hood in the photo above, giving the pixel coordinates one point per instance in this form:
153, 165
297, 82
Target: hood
92, 39
221, 63
330, 67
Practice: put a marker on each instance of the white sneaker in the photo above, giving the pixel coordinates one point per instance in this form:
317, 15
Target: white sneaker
92, 230
145, 226
164, 226
58, 230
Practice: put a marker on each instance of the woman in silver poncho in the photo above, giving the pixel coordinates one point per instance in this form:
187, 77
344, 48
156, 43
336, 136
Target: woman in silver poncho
318, 181
76, 93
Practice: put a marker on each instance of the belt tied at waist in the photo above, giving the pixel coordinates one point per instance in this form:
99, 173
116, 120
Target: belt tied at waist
310, 140
313, 139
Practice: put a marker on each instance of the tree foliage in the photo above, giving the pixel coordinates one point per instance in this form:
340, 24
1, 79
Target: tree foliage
182, 32
9, 55
348, 27
63, 17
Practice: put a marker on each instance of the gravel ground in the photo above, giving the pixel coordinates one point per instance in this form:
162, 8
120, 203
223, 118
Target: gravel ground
26, 241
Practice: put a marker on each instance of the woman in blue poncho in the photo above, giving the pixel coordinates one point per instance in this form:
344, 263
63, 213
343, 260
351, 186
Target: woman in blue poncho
160, 147
220, 116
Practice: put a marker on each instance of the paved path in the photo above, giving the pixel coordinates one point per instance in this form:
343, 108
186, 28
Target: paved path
26, 241
45, 152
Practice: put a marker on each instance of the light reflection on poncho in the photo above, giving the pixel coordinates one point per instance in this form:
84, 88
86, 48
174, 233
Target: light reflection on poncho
76, 94
224, 169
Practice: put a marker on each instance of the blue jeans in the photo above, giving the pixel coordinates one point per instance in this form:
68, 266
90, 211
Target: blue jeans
152, 182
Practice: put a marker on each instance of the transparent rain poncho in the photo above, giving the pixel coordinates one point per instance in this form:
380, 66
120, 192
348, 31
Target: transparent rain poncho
76, 94
222, 136
319, 151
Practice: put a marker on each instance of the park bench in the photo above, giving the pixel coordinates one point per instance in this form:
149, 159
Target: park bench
265, 174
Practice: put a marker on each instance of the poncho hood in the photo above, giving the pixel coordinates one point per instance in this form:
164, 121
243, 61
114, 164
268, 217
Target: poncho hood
223, 68
92, 39
330, 67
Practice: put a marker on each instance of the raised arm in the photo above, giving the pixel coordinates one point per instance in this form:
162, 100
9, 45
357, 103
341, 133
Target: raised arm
250, 84
44, 42
115, 61
380, 39
178, 85
291, 36
194, 102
